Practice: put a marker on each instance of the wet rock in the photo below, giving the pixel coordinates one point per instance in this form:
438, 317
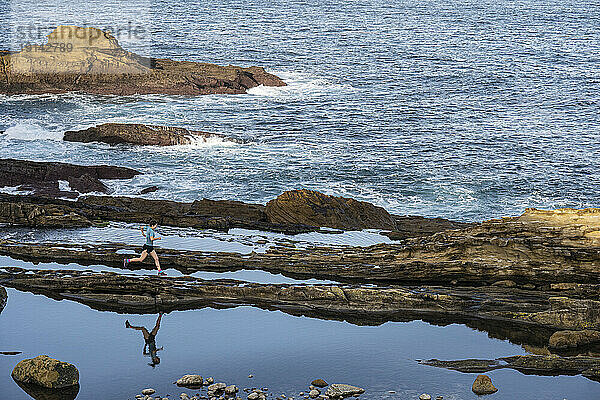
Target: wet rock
342, 390
140, 134
217, 387
38, 392
19, 211
308, 207
314, 393
46, 372
319, 383
149, 189
190, 381
424, 396
483, 385
210, 380
231, 390
19, 172
97, 64
572, 339
87, 184
148, 392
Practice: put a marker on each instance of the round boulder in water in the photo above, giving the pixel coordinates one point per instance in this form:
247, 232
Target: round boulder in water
47, 372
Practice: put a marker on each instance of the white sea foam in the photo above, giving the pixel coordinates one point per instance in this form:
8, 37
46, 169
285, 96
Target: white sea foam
28, 130
298, 85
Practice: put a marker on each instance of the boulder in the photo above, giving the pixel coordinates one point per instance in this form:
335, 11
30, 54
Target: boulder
319, 383
308, 207
87, 184
148, 391
140, 134
337, 390
483, 385
47, 372
314, 393
92, 61
572, 339
190, 381
231, 390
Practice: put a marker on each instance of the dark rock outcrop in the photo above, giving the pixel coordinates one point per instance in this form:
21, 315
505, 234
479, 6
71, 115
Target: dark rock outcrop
46, 372
91, 61
87, 184
43, 177
308, 207
140, 134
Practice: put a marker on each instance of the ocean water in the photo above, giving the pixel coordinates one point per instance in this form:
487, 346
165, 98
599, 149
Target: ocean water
458, 109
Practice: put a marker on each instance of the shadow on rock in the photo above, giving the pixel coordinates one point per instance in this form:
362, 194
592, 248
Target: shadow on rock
42, 393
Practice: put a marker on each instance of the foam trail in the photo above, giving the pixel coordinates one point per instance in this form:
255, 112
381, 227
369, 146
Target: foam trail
31, 131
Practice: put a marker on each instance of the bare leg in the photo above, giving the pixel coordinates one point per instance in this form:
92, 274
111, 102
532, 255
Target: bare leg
157, 326
155, 256
141, 258
139, 328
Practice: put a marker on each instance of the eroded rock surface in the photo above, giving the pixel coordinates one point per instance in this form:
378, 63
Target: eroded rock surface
92, 61
573, 339
47, 372
308, 207
139, 134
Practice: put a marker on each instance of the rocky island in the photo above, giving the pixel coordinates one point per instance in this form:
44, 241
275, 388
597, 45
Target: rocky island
92, 61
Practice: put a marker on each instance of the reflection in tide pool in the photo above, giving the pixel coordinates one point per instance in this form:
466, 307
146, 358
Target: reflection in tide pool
283, 352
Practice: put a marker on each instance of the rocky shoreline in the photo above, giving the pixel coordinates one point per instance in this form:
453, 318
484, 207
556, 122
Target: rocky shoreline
92, 61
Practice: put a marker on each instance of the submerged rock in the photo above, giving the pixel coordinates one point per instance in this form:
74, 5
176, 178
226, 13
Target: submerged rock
87, 184
190, 381
572, 339
483, 385
148, 392
139, 134
338, 390
92, 61
47, 372
308, 207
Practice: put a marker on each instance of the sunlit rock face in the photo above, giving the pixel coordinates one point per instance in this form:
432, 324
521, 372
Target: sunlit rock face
92, 61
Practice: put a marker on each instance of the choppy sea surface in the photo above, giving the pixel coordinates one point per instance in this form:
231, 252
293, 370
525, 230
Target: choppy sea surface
459, 109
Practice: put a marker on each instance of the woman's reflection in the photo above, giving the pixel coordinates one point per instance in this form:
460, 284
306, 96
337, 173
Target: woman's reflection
150, 339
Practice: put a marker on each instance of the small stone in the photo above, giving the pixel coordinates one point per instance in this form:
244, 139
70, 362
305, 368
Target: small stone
319, 383
341, 390
439, 398
231, 389
311, 387
217, 387
148, 392
190, 381
250, 376
483, 385
139, 396
301, 394
392, 392
210, 380
424, 396
314, 393
253, 396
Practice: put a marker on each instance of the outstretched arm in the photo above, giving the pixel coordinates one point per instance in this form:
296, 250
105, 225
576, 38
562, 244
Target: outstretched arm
143, 231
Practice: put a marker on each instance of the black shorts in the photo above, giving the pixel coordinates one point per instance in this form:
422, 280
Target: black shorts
148, 248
